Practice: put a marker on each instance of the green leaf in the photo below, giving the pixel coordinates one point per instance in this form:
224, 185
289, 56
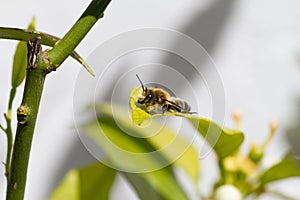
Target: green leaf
20, 60
154, 185
46, 39
174, 148
286, 168
139, 116
143, 188
142, 154
19, 65
224, 141
91, 182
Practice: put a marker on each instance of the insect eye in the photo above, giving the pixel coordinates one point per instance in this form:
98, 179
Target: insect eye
148, 98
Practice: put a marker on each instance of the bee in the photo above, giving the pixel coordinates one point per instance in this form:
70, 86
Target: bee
159, 101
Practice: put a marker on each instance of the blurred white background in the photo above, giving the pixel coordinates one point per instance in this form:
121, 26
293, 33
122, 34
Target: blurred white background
254, 44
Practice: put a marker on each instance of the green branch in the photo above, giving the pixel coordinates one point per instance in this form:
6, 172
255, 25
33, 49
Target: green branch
27, 114
9, 136
46, 39
8, 131
39, 65
2, 128
63, 48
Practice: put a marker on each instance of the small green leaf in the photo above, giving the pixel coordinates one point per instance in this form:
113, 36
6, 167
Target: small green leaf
91, 182
46, 39
20, 60
224, 141
286, 168
139, 116
19, 65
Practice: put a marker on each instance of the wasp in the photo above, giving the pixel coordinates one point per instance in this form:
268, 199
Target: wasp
159, 101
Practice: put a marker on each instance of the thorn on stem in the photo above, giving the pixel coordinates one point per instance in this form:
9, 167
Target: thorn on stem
2, 128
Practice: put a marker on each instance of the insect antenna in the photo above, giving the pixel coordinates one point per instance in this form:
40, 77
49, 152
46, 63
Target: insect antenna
141, 82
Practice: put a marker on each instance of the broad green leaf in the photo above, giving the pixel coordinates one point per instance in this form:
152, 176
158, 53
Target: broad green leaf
91, 182
156, 185
224, 141
140, 154
286, 168
122, 161
188, 158
20, 60
173, 147
46, 39
142, 187
152, 185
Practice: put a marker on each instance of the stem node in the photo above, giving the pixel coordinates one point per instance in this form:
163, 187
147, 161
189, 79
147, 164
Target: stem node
22, 113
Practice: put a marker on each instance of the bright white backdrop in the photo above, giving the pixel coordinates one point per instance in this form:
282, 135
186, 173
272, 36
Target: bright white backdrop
255, 45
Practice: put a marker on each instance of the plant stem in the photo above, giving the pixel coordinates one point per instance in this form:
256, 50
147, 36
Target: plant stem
9, 145
222, 171
11, 98
35, 77
8, 131
27, 114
